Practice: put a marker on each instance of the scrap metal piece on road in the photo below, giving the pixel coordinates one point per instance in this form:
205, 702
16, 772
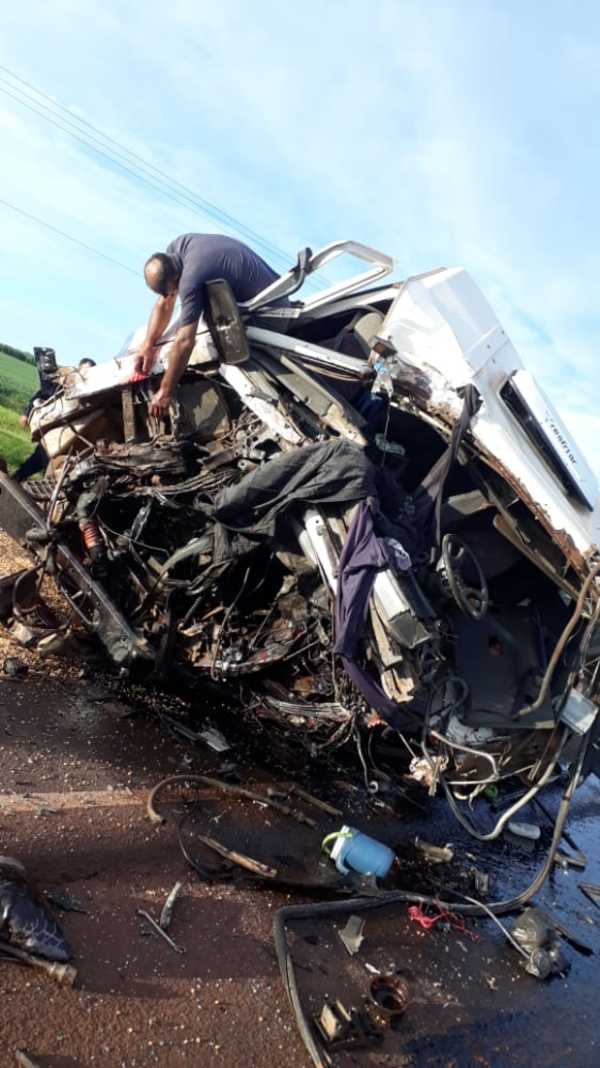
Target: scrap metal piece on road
166, 914
352, 934
158, 929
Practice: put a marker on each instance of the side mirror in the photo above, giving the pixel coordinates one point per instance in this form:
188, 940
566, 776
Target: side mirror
225, 323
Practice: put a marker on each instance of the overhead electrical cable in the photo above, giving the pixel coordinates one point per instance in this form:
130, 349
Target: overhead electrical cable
128, 160
69, 237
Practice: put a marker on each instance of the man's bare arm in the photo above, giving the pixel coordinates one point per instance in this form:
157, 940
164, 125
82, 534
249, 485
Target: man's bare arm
178, 360
157, 324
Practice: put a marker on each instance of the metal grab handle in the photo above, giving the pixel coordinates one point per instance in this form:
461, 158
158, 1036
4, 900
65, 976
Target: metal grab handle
382, 265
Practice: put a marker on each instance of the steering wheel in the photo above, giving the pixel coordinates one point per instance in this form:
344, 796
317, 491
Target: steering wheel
457, 559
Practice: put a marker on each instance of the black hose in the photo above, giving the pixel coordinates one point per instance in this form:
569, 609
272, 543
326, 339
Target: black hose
396, 897
561, 643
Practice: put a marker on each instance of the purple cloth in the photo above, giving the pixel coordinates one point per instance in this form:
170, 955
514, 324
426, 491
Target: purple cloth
363, 555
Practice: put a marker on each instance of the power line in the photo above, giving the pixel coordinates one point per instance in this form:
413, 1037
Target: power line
153, 176
69, 237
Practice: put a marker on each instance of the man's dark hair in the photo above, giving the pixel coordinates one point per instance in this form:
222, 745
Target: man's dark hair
87, 362
164, 272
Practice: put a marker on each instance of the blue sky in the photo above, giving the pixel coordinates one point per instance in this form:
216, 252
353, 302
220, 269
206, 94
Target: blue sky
458, 133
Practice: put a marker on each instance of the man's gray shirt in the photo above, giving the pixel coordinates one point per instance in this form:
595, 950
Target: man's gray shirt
204, 257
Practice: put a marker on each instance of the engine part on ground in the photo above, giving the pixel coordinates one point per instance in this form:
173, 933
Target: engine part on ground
481, 882
537, 938
341, 1028
356, 905
391, 994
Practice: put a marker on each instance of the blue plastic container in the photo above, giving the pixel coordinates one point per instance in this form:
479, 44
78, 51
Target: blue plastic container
353, 849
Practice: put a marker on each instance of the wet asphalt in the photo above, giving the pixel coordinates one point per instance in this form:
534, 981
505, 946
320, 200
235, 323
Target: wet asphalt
76, 765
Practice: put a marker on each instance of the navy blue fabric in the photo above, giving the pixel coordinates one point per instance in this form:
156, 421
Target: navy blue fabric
363, 555
203, 257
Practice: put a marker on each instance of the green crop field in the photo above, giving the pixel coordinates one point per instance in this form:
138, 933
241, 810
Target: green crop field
15, 443
18, 380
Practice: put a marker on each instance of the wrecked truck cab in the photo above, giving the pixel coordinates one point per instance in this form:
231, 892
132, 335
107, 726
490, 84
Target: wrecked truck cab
366, 513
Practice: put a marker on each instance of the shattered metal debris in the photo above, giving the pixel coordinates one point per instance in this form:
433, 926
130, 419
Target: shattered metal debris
166, 914
541, 953
25, 922
346, 1029
22, 634
566, 860
14, 668
434, 853
58, 643
481, 882
158, 929
316, 534
352, 934
215, 740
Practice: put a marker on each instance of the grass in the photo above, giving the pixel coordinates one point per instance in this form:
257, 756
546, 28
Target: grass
15, 443
18, 381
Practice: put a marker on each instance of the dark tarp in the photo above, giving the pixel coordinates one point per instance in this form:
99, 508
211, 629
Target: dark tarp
333, 472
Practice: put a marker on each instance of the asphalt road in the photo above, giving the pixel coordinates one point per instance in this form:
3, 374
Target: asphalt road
75, 769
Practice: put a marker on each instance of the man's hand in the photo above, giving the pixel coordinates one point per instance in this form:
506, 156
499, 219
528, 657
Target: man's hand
159, 320
23, 421
161, 402
144, 360
148, 360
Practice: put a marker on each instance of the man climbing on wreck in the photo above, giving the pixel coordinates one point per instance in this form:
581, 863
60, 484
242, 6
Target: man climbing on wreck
191, 261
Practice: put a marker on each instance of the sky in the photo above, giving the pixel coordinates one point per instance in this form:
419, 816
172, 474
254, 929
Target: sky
462, 133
